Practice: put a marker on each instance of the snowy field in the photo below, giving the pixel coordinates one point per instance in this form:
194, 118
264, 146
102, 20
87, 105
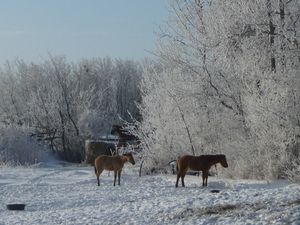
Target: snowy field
69, 195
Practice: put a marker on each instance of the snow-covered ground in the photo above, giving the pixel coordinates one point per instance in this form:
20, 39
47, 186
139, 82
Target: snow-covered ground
69, 195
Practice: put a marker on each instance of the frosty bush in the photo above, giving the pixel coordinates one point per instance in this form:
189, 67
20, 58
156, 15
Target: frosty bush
226, 81
94, 124
65, 103
18, 147
293, 171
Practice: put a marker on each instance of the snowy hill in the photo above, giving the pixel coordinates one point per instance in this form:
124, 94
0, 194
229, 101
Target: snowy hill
69, 195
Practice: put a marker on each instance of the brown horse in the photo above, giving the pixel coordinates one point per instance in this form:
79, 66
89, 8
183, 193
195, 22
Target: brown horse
112, 163
197, 163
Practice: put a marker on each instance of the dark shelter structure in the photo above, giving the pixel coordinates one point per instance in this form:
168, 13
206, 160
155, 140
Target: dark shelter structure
94, 148
124, 137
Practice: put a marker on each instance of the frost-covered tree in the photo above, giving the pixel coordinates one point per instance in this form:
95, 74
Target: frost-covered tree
19, 147
231, 68
65, 103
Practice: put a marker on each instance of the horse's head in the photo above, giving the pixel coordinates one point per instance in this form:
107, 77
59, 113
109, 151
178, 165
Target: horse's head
129, 158
223, 161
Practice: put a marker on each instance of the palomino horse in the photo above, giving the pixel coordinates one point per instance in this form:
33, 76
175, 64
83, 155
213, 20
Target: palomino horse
123, 135
112, 163
197, 163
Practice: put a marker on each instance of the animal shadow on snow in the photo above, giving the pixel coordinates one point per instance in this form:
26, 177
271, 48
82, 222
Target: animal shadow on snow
213, 185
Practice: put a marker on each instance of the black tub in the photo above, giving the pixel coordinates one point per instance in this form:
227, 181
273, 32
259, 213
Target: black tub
15, 206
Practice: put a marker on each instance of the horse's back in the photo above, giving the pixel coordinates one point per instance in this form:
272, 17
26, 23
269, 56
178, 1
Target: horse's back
108, 162
192, 162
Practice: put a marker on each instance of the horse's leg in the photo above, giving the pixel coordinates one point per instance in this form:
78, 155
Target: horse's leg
119, 176
182, 178
178, 173
98, 173
178, 176
98, 180
115, 177
204, 178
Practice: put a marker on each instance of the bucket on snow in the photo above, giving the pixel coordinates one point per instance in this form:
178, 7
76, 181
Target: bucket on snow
15, 206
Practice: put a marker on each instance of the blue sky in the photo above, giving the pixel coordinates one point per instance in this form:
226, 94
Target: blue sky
30, 29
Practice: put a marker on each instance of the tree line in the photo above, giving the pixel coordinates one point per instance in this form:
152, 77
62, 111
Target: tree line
225, 79
62, 104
